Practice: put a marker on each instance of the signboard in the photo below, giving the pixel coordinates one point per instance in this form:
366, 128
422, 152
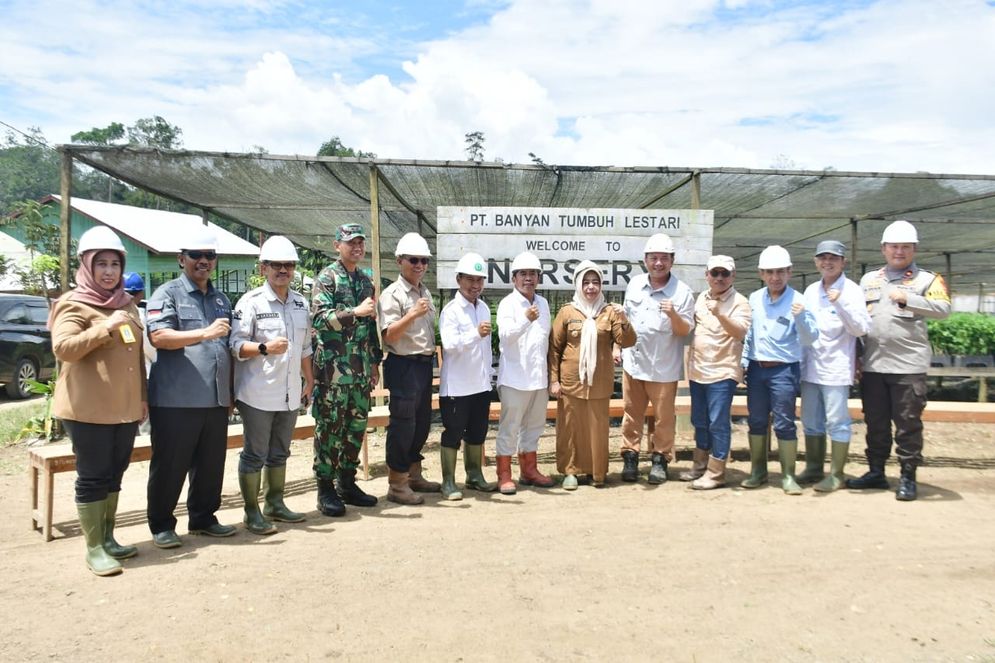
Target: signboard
563, 237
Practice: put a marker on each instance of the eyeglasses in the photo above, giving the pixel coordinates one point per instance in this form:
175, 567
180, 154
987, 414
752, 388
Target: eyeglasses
720, 273
280, 266
417, 261
197, 255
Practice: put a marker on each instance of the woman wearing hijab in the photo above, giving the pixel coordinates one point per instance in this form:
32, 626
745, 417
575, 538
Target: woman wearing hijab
100, 393
581, 375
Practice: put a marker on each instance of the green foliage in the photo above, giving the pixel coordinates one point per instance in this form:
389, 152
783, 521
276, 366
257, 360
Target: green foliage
16, 418
474, 145
42, 425
109, 135
335, 148
42, 241
155, 132
29, 169
963, 334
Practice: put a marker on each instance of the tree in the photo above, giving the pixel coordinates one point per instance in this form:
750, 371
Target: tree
335, 148
475, 146
109, 135
29, 168
155, 132
42, 241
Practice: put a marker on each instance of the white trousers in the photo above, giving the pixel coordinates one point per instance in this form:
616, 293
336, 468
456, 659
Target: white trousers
523, 419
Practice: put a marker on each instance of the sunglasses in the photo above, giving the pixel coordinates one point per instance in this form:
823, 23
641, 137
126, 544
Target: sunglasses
197, 255
417, 261
720, 273
280, 266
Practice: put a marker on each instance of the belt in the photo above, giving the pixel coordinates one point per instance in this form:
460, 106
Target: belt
771, 364
424, 359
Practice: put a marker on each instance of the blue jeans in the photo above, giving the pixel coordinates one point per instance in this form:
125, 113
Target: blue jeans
824, 409
772, 391
710, 405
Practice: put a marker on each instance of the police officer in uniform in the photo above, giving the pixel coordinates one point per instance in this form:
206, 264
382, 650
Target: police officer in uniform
900, 298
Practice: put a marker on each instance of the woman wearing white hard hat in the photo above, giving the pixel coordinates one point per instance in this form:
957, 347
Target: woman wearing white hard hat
100, 393
581, 375
465, 378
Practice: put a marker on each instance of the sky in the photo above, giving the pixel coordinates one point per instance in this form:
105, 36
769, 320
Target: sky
866, 85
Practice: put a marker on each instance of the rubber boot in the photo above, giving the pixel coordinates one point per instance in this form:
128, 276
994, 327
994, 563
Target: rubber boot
835, 479
399, 491
473, 459
758, 462
630, 465
92, 520
329, 503
351, 493
907, 489
787, 453
418, 483
528, 468
253, 518
113, 548
449, 489
274, 483
815, 458
505, 483
714, 476
873, 478
699, 461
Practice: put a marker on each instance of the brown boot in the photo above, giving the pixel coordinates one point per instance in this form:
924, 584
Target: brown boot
528, 467
418, 483
399, 491
714, 477
699, 460
505, 483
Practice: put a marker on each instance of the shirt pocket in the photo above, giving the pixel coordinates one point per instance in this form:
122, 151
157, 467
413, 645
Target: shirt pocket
190, 318
268, 329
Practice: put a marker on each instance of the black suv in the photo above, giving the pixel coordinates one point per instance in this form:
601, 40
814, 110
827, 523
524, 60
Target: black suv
25, 343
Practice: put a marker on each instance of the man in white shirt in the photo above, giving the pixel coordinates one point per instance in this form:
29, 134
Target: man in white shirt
661, 310
828, 365
523, 323
465, 378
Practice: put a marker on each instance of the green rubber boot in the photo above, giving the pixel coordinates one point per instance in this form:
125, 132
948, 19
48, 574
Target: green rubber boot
113, 548
835, 479
815, 458
449, 489
758, 462
787, 453
473, 460
93, 521
253, 519
274, 483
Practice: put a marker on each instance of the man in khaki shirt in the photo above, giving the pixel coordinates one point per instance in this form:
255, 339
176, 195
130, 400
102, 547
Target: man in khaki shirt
406, 316
722, 317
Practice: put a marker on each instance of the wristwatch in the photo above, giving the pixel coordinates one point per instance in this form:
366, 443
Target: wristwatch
262, 349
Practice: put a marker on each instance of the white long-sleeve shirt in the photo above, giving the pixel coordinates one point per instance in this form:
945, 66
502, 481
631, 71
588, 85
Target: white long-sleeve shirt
831, 360
524, 343
466, 356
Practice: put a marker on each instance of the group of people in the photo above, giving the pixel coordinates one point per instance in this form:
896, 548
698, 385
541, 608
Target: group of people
275, 353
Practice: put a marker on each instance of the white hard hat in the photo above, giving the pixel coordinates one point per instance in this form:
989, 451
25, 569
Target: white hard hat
278, 248
472, 264
412, 244
659, 243
202, 237
900, 232
525, 260
774, 257
98, 238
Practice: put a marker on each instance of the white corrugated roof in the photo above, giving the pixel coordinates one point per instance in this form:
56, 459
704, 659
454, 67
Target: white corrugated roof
160, 231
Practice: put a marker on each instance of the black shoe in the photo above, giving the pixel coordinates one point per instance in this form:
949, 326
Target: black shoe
658, 471
351, 493
907, 489
874, 478
167, 539
630, 466
328, 500
216, 530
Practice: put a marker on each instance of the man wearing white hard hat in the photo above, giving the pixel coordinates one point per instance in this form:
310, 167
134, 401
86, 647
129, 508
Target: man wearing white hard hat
406, 315
900, 298
465, 378
271, 341
661, 309
829, 364
780, 327
524, 323
189, 393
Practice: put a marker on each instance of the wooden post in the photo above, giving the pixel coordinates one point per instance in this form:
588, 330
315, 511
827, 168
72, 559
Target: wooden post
696, 190
950, 273
378, 400
854, 276
65, 218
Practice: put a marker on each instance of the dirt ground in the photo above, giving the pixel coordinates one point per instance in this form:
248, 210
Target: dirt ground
630, 572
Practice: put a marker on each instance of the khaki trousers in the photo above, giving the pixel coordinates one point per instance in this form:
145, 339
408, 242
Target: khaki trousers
637, 394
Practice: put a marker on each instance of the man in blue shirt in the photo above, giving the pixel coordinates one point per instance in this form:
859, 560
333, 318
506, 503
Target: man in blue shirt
772, 352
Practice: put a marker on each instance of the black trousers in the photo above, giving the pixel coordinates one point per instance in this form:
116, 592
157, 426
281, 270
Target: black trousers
888, 398
186, 441
465, 418
103, 452
409, 380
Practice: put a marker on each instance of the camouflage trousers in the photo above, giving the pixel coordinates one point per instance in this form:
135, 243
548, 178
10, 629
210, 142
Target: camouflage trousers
340, 413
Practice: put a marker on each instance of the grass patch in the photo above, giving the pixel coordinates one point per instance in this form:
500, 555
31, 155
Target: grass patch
14, 419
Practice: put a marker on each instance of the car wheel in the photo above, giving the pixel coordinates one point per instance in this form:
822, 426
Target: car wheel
25, 370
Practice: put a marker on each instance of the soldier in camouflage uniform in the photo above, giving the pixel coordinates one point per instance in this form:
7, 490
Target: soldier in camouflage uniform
346, 368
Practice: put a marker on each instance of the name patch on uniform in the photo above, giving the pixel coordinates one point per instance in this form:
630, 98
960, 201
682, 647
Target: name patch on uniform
265, 316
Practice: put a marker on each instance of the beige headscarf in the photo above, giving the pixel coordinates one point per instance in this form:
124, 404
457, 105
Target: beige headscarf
589, 332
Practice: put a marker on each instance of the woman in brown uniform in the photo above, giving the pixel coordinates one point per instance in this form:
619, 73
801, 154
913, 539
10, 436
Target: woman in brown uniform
100, 393
581, 375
